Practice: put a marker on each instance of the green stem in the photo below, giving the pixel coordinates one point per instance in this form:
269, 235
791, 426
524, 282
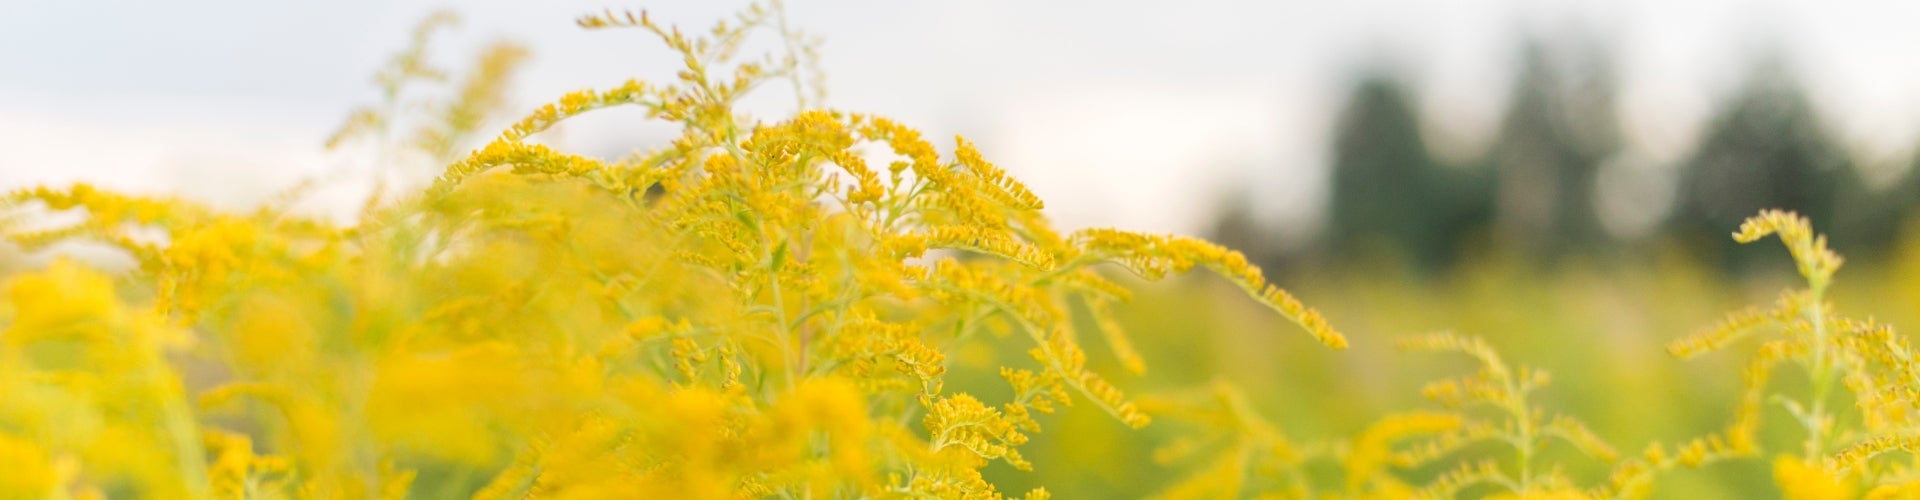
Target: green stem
1822, 373
1524, 423
795, 353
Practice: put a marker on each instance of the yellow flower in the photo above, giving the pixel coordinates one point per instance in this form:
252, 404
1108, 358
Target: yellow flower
29, 473
1546, 494
1802, 480
1904, 491
447, 404
66, 299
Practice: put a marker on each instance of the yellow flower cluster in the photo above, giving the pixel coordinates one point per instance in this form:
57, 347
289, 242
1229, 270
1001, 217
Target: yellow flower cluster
1489, 409
1837, 456
1809, 250
1503, 391
750, 311
1246, 454
91, 394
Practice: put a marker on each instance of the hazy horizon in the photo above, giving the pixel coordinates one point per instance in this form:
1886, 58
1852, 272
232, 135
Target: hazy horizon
1097, 106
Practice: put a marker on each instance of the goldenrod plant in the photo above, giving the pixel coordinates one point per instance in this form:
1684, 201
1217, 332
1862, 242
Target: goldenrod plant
1851, 417
1489, 406
1245, 453
441, 124
1238, 453
761, 308
1842, 453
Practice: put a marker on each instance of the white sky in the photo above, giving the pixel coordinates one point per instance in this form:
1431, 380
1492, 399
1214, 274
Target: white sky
1120, 113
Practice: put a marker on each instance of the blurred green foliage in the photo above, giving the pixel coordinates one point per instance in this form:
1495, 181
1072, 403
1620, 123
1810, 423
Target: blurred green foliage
1601, 328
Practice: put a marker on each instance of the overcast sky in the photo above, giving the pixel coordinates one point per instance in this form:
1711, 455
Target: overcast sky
1117, 113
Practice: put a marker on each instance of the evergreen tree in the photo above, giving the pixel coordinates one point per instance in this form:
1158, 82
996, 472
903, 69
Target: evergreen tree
1390, 196
1560, 127
1764, 148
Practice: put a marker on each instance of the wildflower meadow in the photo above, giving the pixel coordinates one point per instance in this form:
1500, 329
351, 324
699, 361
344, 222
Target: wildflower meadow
830, 304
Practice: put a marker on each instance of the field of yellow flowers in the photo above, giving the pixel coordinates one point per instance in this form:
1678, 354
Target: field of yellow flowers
830, 305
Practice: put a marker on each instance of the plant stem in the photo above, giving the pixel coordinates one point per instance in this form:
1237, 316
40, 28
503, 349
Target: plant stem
1525, 425
1822, 373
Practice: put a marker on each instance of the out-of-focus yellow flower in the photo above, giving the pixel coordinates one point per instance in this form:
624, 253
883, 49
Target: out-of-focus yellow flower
28, 473
65, 300
1803, 480
1544, 494
1904, 491
450, 405
1373, 450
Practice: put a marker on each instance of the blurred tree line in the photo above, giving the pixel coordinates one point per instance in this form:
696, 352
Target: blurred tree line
1534, 189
